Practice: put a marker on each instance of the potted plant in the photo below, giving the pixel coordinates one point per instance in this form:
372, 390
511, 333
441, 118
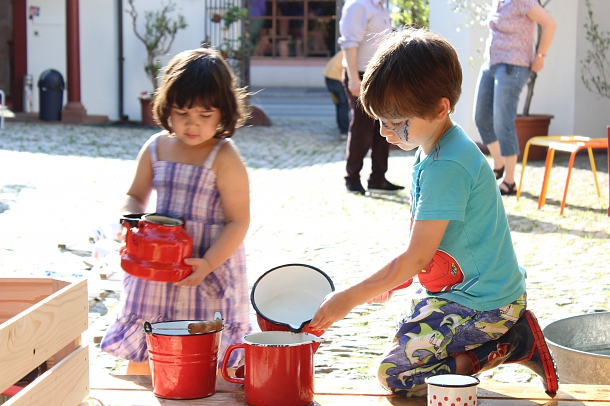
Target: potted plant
232, 48
159, 33
527, 125
595, 68
237, 53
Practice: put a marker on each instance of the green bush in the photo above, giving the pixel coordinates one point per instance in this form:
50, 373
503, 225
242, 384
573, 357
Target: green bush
411, 13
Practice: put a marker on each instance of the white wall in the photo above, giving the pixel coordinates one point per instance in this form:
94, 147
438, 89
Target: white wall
554, 89
99, 53
99, 50
469, 47
46, 39
191, 37
591, 111
559, 90
135, 79
98, 57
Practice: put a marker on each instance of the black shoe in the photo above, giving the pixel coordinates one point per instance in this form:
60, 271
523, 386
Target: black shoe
354, 186
510, 189
499, 173
385, 187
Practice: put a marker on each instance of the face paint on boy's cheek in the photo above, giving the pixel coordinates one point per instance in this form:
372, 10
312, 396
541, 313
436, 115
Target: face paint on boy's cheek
405, 132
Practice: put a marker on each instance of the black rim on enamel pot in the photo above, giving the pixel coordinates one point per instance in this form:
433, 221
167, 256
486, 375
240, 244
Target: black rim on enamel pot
288, 295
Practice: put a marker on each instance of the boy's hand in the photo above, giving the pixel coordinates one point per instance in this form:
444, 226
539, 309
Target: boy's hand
384, 297
201, 269
333, 308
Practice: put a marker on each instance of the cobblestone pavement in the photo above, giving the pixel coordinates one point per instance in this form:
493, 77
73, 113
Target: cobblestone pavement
60, 182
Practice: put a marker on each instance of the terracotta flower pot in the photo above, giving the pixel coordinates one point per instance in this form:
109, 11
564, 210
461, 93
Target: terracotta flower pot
528, 127
147, 115
532, 126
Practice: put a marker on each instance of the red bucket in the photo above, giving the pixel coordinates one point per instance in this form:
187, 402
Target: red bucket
286, 298
182, 365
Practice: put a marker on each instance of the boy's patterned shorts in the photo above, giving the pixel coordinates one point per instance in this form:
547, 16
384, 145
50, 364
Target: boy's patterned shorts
432, 331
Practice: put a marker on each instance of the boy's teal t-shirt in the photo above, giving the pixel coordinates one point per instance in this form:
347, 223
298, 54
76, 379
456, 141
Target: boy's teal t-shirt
455, 182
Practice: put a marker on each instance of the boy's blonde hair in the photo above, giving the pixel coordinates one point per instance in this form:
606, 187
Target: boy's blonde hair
201, 77
409, 74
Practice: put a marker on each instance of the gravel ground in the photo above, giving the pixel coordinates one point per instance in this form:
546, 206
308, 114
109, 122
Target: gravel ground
58, 183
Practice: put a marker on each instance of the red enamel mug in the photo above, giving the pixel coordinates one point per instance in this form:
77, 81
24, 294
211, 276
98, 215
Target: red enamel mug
279, 368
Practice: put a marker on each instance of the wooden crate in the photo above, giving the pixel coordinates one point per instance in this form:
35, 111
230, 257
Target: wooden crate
42, 319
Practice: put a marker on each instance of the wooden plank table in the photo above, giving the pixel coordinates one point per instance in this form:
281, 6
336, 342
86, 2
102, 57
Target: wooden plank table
126, 390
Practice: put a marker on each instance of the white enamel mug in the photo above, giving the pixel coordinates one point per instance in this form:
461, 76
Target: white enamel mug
452, 390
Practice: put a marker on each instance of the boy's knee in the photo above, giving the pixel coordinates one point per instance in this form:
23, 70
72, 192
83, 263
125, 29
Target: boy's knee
398, 386
398, 381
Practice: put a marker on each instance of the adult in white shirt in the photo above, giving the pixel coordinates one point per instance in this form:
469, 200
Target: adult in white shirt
362, 25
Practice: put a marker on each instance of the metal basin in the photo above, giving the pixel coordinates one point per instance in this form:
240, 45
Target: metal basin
581, 348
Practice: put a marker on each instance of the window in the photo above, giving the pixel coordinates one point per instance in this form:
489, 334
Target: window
293, 28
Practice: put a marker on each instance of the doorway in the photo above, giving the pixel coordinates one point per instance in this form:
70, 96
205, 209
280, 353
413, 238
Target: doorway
6, 48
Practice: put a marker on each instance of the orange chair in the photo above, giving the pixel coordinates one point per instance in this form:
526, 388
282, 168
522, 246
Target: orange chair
566, 143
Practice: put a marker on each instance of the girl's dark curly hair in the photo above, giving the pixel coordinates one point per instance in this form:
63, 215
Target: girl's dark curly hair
201, 77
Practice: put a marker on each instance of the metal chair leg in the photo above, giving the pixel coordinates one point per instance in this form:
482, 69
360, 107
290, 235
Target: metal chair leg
594, 170
523, 164
547, 174
565, 191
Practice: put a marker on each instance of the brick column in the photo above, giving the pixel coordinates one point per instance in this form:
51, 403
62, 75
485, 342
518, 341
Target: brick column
74, 111
20, 56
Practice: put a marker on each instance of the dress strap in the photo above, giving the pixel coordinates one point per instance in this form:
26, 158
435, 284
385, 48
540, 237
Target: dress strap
153, 147
209, 161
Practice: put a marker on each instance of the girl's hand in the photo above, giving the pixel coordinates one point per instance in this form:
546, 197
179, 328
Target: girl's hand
201, 269
334, 307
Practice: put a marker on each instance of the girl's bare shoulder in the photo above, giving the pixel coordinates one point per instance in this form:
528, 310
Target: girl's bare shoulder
228, 155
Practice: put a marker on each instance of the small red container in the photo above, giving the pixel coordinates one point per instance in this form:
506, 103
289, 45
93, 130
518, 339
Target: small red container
155, 248
182, 365
278, 368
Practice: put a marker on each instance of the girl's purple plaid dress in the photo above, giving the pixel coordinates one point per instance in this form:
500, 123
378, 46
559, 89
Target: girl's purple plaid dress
190, 192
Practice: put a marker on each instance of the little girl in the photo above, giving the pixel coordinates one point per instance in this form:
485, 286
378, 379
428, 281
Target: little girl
199, 175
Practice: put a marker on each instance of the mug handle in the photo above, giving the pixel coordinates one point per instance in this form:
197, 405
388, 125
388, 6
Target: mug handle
225, 362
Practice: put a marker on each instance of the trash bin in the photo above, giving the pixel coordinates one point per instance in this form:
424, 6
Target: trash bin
51, 94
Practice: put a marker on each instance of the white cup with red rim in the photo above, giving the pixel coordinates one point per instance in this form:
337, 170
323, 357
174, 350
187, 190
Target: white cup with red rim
452, 390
